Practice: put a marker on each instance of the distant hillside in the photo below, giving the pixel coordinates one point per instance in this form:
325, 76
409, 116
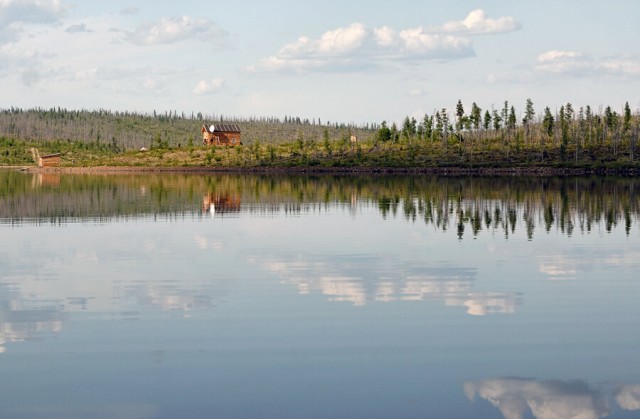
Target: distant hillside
125, 130
489, 138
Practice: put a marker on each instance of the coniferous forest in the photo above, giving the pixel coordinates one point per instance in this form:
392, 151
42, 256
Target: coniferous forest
464, 137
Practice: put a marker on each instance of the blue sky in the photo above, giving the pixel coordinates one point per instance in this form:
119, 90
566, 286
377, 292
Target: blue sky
347, 61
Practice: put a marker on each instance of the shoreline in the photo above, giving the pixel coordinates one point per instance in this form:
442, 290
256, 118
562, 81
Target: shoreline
438, 171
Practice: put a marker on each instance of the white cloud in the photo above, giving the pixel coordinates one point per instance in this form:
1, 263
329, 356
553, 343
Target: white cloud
154, 80
385, 36
16, 13
86, 55
553, 55
418, 92
30, 11
86, 75
80, 27
178, 29
336, 42
12, 55
342, 40
418, 43
559, 63
206, 87
357, 47
30, 77
151, 83
477, 22
129, 11
580, 64
624, 66
563, 62
28, 65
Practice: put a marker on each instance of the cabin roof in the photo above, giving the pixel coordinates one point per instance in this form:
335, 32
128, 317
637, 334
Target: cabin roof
222, 127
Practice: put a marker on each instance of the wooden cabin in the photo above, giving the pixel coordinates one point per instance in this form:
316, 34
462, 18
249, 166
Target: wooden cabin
221, 134
49, 160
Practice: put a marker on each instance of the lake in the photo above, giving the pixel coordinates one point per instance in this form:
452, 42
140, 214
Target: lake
233, 296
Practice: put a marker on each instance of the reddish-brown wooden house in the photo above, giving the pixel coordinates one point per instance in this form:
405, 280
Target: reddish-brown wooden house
221, 134
50, 160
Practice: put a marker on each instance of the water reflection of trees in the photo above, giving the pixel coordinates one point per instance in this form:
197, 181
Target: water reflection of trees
465, 205
470, 205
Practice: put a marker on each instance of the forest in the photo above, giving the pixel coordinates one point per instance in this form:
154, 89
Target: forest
482, 138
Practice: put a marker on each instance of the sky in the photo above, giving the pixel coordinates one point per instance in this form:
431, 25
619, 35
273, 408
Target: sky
350, 61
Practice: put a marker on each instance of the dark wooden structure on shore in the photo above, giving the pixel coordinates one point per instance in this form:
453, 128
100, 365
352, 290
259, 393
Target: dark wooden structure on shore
221, 134
49, 160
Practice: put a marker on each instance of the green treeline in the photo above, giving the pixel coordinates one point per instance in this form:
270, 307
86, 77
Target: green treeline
567, 136
473, 137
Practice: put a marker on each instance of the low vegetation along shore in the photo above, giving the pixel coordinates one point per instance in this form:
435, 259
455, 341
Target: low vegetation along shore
567, 140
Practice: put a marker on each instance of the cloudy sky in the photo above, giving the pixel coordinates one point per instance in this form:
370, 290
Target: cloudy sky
337, 60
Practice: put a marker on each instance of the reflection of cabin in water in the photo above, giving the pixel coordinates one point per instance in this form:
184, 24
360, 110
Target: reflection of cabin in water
46, 179
220, 203
221, 134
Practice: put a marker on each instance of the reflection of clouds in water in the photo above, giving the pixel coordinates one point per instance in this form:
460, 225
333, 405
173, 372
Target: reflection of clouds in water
548, 399
420, 288
23, 319
61, 279
459, 293
481, 304
559, 268
169, 297
628, 396
29, 311
345, 282
569, 267
204, 243
630, 259
343, 289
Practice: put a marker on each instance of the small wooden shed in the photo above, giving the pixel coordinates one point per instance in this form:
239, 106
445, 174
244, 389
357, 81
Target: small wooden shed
221, 134
49, 160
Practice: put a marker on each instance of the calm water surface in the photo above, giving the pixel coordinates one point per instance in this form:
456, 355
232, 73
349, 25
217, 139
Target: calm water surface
146, 296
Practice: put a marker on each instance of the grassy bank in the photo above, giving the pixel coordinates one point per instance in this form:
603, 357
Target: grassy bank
329, 155
587, 141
